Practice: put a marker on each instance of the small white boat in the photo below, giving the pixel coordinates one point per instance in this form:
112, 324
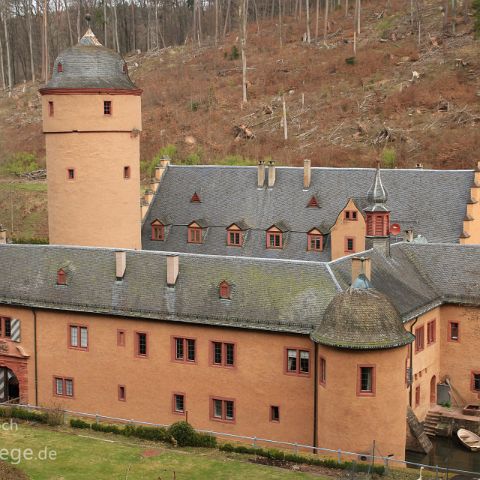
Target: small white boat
469, 439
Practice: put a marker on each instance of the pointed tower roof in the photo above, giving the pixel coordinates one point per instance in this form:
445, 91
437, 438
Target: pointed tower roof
377, 194
91, 68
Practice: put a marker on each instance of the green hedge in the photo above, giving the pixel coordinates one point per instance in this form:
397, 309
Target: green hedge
23, 414
294, 458
77, 423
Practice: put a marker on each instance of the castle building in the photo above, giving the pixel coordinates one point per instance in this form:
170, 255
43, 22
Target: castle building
246, 312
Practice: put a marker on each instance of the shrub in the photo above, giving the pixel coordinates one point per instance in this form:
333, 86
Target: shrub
22, 414
389, 157
186, 436
77, 423
234, 53
101, 427
192, 159
158, 434
148, 166
21, 162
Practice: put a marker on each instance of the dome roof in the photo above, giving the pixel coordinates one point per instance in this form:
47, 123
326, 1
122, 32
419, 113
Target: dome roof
361, 318
89, 65
377, 195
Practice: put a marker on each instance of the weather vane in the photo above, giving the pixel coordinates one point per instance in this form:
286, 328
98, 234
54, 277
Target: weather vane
88, 17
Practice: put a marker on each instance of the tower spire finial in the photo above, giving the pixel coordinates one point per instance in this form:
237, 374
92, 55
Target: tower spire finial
377, 193
88, 18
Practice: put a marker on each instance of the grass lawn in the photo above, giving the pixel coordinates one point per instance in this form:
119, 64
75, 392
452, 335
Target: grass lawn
97, 456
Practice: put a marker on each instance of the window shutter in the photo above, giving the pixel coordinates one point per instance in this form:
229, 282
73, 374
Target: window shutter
15, 326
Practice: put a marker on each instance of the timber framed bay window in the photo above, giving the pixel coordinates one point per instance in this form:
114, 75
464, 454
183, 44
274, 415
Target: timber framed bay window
222, 409
223, 354
141, 344
453, 331
475, 382
297, 361
5, 327
366, 379
183, 349
78, 337
178, 403
63, 387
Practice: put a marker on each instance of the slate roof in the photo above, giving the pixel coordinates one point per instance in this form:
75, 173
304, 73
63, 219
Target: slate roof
431, 202
274, 295
90, 65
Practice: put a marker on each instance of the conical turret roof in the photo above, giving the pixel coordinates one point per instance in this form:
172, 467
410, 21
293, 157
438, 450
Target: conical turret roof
377, 195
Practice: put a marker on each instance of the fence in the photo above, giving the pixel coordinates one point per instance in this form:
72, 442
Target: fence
339, 455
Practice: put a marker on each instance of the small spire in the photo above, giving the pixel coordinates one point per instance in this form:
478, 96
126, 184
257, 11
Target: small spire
361, 282
377, 193
89, 39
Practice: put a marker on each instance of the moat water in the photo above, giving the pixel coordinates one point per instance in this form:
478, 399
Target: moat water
448, 452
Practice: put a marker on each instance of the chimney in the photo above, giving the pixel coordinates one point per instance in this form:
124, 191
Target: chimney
271, 174
361, 265
261, 174
120, 264
162, 168
409, 235
172, 270
307, 174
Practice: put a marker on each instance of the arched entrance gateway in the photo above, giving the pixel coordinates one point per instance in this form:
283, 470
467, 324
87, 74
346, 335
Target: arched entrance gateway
9, 386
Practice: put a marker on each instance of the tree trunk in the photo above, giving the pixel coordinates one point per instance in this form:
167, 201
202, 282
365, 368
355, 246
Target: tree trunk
1, 65
317, 14
307, 17
115, 18
30, 41
216, 22
79, 10
227, 18
69, 23
134, 39
280, 20
359, 15
285, 126
243, 44
105, 33
7, 48
325, 25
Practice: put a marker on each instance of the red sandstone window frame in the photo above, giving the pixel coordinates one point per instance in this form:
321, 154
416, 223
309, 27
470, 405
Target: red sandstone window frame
272, 416
158, 231
450, 337
311, 242
51, 109
297, 372
195, 235
185, 341
78, 328
121, 337
419, 339
71, 174
431, 332
137, 345
234, 236
64, 381
127, 172
122, 393
3, 327
351, 215
224, 290
274, 239
418, 396
322, 371
223, 354
223, 418
174, 403
61, 277
475, 373
107, 107
346, 249
373, 389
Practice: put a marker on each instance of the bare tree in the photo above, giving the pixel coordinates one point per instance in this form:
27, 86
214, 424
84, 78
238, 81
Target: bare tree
307, 18
243, 12
325, 26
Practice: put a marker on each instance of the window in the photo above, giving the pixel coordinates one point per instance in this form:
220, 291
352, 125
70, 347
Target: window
78, 337
5, 327
59, 68
223, 409
141, 344
366, 380
274, 240
121, 338
417, 396
63, 387
349, 245
51, 109
223, 354
431, 332
158, 231
126, 172
298, 361
314, 242
195, 198
234, 236
107, 107
313, 202
419, 339
274, 413
351, 215
378, 224
179, 403
476, 382
323, 371
122, 394
195, 235
184, 349
224, 290
61, 277
70, 173
454, 331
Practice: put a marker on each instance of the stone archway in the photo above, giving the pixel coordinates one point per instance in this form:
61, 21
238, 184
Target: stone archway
13, 380
9, 386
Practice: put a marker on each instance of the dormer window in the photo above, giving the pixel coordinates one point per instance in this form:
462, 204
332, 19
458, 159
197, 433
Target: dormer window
314, 240
59, 68
158, 230
61, 277
313, 202
234, 236
274, 238
351, 215
195, 233
224, 290
195, 198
